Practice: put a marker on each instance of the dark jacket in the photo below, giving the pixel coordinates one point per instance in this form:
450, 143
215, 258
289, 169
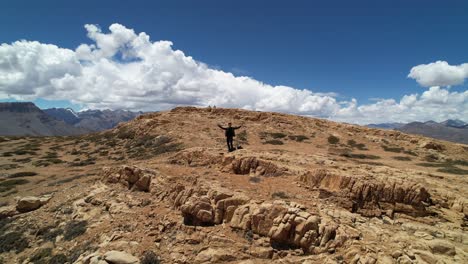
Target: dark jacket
229, 131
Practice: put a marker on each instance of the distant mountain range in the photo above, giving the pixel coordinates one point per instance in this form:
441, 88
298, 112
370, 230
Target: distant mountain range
92, 120
450, 130
25, 118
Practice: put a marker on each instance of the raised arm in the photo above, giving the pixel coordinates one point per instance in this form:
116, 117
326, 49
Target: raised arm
221, 127
237, 127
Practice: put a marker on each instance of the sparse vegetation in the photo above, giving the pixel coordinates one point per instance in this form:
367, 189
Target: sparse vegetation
255, 179
274, 142
277, 135
373, 163
74, 229
58, 259
280, 195
22, 174
48, 233
402, 158
70, 179
410, 152
448, 166
149, 257
352, 143
13, 241
298, 138
453, 170
359, 156
125, 133
42, 256
80, 163
24, 160
11, 184
46, 162
8, 166
242, 136
392, 149
333, 139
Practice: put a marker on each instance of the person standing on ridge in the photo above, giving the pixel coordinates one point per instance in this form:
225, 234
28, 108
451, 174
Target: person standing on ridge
230, 134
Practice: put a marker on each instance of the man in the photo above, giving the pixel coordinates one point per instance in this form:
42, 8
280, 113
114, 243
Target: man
230, 134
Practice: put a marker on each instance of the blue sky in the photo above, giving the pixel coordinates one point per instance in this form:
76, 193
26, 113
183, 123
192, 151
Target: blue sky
356, 49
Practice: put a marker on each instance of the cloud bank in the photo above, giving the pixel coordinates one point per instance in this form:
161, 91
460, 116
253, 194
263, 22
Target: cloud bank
439, 73
126, 70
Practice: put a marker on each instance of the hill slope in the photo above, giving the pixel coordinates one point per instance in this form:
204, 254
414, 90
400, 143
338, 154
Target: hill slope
301, 190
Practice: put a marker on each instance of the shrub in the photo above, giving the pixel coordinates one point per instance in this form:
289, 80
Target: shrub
74, 229
354, 144
359, 156
58, 259
50, 155
13, 241
86, 162
48, 233
125, 133
333, 139
410, 152
299, 138
392, 149
10, 184
42, 256
361, 146
277, 135
46, 162
402, 158
242, 136
453, 170
255, 179
373, 163
280, 194
70, 179
460, 162
149, 257
24, 160
427, 164
431, 158
274, 142
22, 174
8, 166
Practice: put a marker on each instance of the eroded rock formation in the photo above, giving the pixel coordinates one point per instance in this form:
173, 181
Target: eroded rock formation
132, 177
371, 196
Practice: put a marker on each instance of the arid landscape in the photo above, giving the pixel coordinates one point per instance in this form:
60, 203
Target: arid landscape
163, 189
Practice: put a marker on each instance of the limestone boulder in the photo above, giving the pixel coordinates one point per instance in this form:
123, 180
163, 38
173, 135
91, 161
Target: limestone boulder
31, 203
120, 257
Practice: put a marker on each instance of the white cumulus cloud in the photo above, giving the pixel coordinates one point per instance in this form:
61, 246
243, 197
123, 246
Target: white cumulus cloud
123, 69
439, 73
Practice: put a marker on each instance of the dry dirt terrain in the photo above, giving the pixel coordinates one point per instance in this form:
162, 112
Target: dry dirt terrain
163, 189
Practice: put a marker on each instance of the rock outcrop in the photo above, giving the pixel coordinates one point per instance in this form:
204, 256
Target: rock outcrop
287, 225
201, 206
132, 177
369, 196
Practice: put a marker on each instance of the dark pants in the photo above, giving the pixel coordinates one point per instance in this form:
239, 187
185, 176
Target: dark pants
229, 143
